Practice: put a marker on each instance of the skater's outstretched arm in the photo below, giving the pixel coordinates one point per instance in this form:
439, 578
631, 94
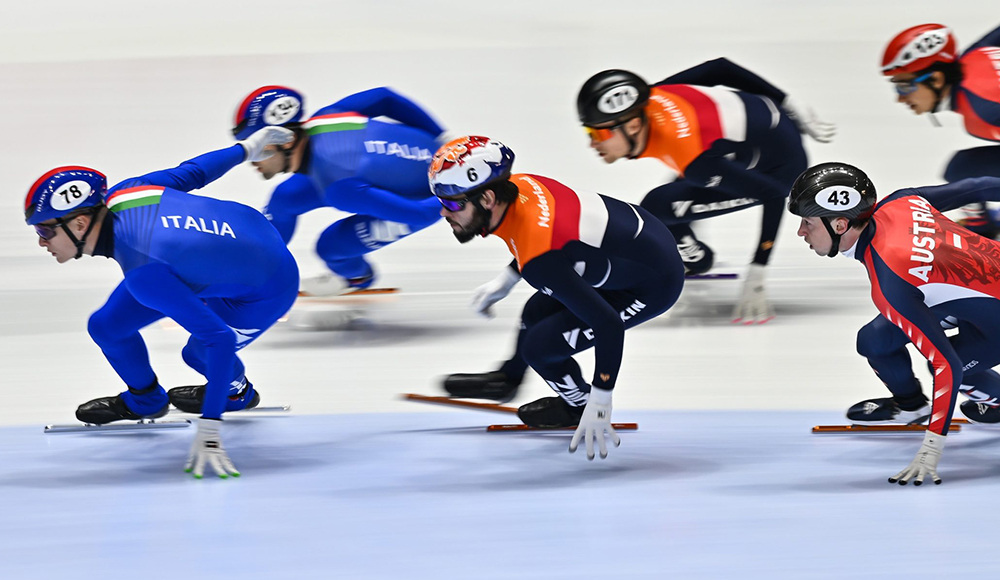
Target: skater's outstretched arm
158, 288
955, 195
356, 195
991, 39
724, 72
199, 171
384, 102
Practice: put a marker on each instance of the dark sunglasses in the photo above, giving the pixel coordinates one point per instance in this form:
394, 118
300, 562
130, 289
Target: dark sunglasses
454, 205
47, 232
904, 88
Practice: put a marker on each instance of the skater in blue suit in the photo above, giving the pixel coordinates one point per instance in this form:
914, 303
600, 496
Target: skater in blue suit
215, 267
344, 158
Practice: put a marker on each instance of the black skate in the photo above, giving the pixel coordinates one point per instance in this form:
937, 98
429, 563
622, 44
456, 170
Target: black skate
980, 413
107, 409
189, 399
549, 413
887, 411
494, 386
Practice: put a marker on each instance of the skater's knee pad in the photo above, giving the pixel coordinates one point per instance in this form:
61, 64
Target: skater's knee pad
145, 401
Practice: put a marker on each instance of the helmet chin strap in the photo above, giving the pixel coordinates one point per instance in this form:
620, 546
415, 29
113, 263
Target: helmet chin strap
79, 243
834, 237
632, 144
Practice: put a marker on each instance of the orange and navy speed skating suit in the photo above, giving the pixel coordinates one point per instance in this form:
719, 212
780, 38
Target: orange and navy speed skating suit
732, 149
928, 274
600, 266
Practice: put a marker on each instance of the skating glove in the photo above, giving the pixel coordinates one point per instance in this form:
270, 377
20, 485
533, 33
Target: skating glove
596, 420
753, 305
925, 463
484, 297
256, 143
207, 448
807, 121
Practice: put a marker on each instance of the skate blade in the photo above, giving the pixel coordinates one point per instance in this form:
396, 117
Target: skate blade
144, 425
451, 402
617, 427
825, 429
352, 294
254, 411
716, 276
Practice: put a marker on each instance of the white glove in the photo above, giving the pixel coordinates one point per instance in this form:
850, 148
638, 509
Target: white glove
807, 121
484, 297
596, 420
925, 463
256, 143
753, 305
207, 448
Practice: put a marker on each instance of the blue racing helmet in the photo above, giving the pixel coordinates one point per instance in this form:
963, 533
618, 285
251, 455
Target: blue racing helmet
270, 105
63, 191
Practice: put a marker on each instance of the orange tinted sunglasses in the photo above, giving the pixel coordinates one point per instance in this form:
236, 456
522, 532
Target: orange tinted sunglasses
603, 133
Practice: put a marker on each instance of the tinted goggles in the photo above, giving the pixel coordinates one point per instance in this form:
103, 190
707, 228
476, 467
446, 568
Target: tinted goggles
46, 232
454, 205
904, 88
599, 134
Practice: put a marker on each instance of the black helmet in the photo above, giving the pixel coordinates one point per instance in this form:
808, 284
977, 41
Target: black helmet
833, 190
611, 95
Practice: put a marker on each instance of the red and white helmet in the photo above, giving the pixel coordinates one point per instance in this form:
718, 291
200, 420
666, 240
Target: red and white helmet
917, 48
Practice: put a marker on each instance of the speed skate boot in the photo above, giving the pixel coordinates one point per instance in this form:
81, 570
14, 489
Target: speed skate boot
890, 411
549, 413
107, 409
981, 412
495, 386
189, 399
330, 284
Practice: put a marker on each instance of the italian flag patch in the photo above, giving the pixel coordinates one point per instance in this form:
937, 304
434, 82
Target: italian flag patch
335, 122
134, 197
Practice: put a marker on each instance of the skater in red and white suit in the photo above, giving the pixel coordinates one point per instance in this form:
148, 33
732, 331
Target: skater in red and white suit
927, 273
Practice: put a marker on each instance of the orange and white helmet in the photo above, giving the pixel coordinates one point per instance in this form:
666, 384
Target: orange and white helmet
918, 48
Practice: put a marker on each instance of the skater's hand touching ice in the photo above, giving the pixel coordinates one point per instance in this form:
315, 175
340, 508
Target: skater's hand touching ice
753, 306
207, 448
925, 463
596, 420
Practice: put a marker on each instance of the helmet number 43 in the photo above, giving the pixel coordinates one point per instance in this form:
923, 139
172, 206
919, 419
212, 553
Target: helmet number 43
838, 198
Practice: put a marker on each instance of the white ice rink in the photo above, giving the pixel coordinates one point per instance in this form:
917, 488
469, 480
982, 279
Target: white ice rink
723, 478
